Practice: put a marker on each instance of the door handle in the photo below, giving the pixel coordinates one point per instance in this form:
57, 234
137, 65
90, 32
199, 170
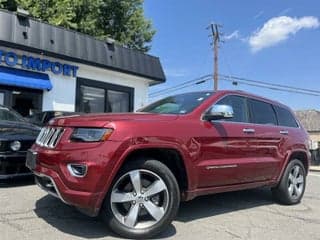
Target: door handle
284, 132
248, 130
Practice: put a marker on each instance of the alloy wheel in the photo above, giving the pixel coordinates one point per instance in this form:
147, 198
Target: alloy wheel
296, 182
139, 199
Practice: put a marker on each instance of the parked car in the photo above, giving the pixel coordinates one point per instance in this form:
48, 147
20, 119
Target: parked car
135, 168
16, 137
42, 118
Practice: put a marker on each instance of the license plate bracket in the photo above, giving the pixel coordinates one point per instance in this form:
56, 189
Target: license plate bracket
31, 159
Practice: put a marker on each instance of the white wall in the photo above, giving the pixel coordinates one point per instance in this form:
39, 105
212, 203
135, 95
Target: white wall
62, 95
140, 85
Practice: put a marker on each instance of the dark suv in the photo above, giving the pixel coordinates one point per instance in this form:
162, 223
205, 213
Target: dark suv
134, 168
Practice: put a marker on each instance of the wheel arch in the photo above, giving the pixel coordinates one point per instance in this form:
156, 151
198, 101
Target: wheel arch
301, 155
176, 163
170, 157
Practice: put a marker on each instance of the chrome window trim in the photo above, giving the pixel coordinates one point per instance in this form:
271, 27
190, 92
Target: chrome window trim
254, 98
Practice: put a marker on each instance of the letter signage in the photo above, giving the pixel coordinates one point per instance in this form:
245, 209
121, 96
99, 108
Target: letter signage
11, 59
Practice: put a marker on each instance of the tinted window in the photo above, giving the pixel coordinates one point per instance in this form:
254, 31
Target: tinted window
118, 101
96, 97
92, 99
285, 117
262, 113
7, 115
179, 104
239, 106
1, 98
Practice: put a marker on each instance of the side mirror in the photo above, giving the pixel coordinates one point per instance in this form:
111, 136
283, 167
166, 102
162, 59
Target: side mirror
218, 112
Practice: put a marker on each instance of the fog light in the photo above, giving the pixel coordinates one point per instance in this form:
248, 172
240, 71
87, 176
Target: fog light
15, 146
77, 170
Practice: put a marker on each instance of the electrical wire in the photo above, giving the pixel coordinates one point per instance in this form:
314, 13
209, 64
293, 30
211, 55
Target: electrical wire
245, 81
269, 84
182, 85
273, 88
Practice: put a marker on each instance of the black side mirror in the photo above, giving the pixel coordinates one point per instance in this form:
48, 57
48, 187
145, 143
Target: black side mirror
218, 112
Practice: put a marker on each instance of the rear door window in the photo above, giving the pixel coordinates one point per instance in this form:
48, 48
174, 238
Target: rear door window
262, 112
285, 117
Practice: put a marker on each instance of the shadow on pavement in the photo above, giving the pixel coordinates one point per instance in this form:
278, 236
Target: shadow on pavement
213, 205
17, 182
68, 220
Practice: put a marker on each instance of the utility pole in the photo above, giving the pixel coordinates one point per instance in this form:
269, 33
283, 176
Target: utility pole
215, 41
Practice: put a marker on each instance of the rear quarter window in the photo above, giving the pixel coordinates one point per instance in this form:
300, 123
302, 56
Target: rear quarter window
262, 113
285, 117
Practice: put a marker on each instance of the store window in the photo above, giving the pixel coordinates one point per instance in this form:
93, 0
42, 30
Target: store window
25, 101
93, 97
118, 101
1, 98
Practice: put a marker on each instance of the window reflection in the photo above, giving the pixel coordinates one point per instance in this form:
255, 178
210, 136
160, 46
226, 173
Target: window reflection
118, 101
92, 99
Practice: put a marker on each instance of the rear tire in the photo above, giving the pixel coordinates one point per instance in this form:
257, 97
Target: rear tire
142, 201
292, 184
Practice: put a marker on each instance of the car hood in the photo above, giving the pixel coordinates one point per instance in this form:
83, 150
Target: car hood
100, 120
18, 130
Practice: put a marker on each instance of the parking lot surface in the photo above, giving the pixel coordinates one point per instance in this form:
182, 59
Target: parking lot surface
26, 212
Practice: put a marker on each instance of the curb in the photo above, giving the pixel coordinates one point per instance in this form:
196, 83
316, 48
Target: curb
314, 169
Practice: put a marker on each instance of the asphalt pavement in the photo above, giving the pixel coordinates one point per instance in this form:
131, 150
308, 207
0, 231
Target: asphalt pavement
26, 212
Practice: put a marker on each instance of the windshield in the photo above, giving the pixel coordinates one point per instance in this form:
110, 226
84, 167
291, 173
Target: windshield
179, 104
7, 115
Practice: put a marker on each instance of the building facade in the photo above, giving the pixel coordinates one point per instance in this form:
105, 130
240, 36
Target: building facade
310, 119
43, 67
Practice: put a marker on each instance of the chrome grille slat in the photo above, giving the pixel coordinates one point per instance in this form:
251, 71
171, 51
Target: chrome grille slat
47, 139
40, 135
55, 138
49, 136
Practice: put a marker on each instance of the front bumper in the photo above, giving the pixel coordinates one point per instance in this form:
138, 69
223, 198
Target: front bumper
13, 166
87, 192
52, 184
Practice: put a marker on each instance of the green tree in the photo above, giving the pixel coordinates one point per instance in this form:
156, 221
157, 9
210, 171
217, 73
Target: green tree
122, 20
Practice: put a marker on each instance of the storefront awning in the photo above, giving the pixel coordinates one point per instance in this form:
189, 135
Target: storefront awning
27, 79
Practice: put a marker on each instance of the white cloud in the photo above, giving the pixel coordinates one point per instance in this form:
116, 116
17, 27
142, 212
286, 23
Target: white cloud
234, 35
278, 29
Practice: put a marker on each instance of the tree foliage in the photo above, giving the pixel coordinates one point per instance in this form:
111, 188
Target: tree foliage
122, 20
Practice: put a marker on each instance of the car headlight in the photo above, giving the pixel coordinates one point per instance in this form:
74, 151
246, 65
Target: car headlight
15, 146
90, 134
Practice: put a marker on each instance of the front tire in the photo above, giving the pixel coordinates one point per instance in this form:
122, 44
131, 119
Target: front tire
292, 184
143, 200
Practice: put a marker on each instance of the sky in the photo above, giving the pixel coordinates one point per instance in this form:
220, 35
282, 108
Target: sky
271, 41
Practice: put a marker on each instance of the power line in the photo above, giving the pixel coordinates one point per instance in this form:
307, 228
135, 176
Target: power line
168, 90
181, 84
234, 79
273, 88
270, 84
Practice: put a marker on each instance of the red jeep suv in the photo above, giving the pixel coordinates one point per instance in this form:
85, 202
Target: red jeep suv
134, 168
